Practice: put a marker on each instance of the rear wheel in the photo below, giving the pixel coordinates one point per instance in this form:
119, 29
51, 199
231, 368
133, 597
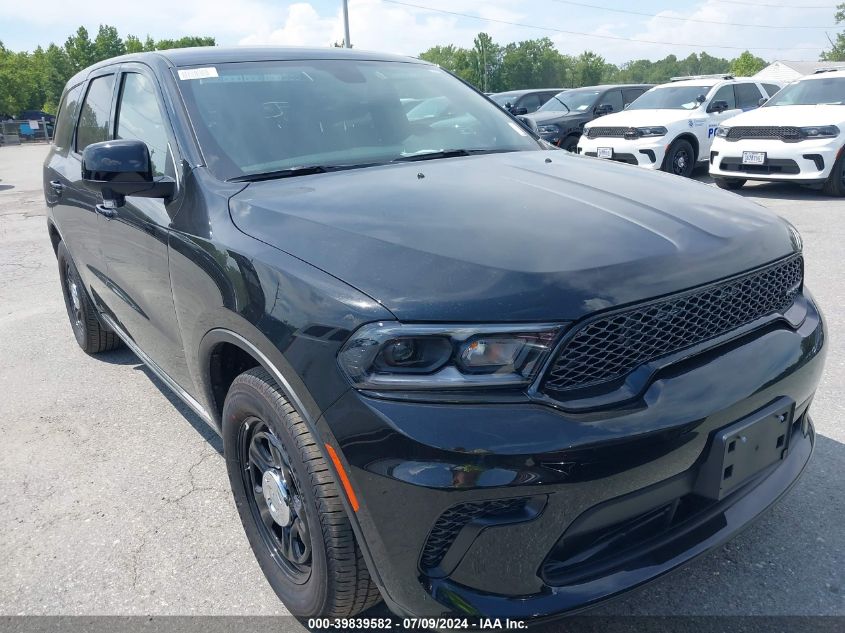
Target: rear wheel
835, 183
729, 183
680, 159
290, 505
92, 335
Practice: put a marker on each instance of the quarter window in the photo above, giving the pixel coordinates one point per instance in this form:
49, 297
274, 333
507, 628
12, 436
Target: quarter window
771, 89
94, 119
630, 95
64, 122
530, 102
747, 96
725, 93
139, 117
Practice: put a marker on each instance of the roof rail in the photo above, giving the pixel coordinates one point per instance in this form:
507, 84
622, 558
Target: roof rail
826, 70
717, 76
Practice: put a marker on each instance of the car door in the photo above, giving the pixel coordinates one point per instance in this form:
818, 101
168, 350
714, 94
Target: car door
714, 118
74, 205
135, 238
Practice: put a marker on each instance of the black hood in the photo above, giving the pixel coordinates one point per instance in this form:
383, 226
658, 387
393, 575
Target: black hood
552, 116
511, 237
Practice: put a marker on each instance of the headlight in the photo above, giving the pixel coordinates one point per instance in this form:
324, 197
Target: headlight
548, 129
390, 355
820, 131
722, 132
651, 131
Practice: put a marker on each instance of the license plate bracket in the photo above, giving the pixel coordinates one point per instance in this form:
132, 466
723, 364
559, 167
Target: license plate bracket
754, 158
743, 449
604, 152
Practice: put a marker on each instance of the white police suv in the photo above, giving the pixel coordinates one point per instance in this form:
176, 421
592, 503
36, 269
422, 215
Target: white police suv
671, 126
797, 136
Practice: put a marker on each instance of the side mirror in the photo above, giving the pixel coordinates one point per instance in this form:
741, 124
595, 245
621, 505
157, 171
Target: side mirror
718, 106
761, 101
602, 109
701, 98
519, 111
123, 168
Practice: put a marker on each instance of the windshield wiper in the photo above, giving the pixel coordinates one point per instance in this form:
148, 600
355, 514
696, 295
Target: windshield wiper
304, 170
281, 173
562, 103
445, 153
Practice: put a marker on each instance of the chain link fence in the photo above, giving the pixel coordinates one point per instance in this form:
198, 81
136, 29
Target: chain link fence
17, 131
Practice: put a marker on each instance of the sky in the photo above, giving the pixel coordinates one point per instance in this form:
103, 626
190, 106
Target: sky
409, 27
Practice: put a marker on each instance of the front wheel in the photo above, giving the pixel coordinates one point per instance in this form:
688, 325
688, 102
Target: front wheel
290, 505
680, 159
835, 183
729, 183
570, 144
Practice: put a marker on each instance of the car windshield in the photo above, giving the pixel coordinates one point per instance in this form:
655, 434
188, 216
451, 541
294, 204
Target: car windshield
670, 98
571, 101
256, 118
827, 91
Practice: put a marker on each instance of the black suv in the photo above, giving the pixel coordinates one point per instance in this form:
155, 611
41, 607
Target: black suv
561, 119
451, 367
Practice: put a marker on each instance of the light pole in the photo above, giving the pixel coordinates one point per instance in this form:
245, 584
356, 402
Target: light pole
346, 42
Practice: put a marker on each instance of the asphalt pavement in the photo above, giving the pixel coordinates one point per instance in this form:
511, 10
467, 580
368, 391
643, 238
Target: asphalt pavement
114, 498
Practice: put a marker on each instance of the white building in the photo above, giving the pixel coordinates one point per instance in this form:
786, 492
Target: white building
785, 71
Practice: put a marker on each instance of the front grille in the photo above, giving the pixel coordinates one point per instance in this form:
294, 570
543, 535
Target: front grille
614, 132
782, 133
451, 522
607, 348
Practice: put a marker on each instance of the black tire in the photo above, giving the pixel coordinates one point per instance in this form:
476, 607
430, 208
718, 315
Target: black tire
262, 432
92, 335
729, 183
835, 183
680, 159
570, 144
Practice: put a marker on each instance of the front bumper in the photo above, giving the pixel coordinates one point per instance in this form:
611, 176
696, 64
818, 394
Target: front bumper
805, 161
511, 509
644, 152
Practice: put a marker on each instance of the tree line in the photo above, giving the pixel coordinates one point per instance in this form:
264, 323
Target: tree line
537, 63
35, 80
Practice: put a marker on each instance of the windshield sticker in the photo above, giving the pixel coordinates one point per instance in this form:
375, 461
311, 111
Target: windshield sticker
197, 73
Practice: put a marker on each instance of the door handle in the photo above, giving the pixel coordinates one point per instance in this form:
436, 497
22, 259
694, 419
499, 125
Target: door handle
57, 186
105, 211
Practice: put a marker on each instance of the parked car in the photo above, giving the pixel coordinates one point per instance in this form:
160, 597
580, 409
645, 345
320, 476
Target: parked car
672, 125
523, 101
797, 136
459, 371
561, 119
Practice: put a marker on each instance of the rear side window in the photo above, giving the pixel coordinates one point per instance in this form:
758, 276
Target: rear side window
530, 102
94, 118
771, 89
64, 122
139, 117
747, 96
630, 95
725, 93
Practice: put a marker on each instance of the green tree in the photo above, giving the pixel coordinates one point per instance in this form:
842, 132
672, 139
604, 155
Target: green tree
133, 44
837, 46
747, 64
108, 43
80, 50
485, 59
588, 69
535, 64
184, 42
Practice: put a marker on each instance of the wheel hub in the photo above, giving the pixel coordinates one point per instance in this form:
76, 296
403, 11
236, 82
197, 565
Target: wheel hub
74, 295
277, 497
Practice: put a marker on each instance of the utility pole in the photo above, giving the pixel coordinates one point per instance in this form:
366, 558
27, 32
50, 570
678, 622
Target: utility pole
346, 42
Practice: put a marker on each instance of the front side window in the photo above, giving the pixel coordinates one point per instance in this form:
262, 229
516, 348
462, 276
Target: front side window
613, 98
671, 98
530, 102
631, 95
726, 94
93, 124
772, 89
255, 118
139, 117
828, 91
64, 121
747, 96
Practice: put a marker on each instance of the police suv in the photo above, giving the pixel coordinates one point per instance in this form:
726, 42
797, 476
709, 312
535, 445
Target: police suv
797, 136
671, 126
